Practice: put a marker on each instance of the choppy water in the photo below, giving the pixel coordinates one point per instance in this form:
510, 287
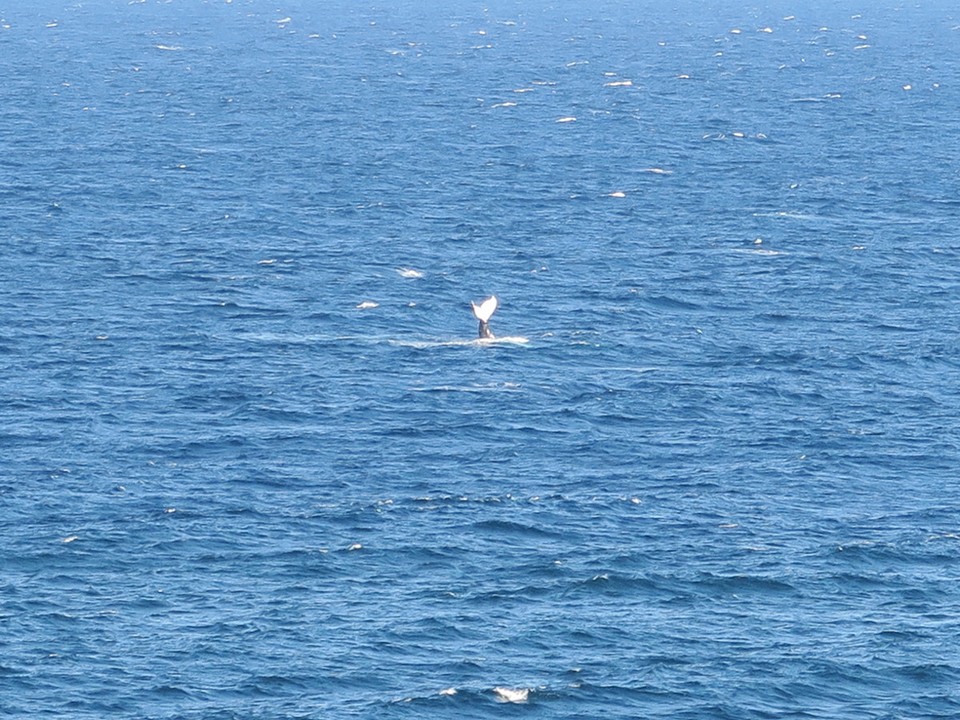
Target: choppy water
253, 467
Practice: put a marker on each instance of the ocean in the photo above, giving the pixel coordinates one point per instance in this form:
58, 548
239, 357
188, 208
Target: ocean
254, 462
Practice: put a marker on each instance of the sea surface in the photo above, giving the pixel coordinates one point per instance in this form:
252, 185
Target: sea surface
254, 464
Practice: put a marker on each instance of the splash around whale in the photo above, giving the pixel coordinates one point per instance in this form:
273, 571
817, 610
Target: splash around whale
482, 312
475, 342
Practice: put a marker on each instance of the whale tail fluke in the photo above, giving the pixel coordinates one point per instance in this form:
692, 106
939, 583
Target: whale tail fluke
483, 312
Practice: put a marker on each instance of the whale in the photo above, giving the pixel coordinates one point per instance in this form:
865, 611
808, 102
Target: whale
483, 312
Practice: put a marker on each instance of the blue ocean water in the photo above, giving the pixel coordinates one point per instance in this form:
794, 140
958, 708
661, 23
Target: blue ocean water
254, 466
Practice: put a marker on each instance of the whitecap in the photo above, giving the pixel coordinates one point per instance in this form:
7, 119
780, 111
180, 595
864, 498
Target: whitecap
171, 48
409, 273
512, 695
618, 194
448, 691
367, 305
619, 83
566, 119
658, 171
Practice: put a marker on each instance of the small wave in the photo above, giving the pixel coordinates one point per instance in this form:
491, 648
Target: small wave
508, 527
666, 302
496, 387
739, 584
790, 215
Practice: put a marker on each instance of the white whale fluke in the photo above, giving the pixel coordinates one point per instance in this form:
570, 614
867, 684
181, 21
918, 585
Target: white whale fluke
483, 312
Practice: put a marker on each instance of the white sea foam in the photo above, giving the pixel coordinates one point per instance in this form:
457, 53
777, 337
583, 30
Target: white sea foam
428, 344
409, 273
512, 695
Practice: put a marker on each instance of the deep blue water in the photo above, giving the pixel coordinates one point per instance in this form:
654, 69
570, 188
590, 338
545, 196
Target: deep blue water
251, 465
